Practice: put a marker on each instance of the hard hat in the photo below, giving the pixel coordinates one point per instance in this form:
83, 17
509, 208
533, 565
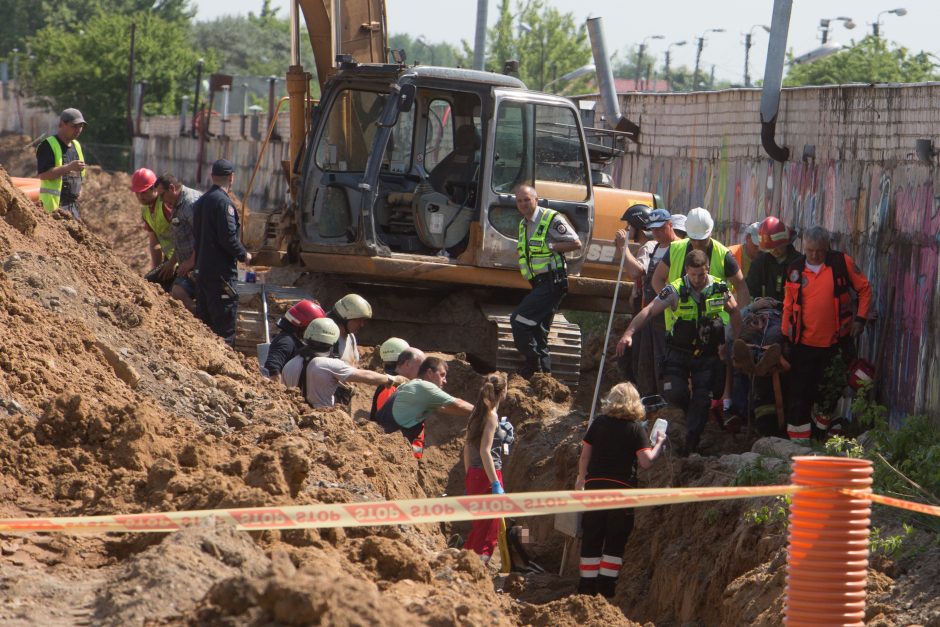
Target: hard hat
353, 306
303, 313
323, 331
753, 231
392, 348
659, 217
773, 233
678, 223
637, 216
142, 180
699, 224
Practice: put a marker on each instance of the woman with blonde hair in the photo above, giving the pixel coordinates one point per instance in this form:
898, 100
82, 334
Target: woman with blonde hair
613, 446
482, 460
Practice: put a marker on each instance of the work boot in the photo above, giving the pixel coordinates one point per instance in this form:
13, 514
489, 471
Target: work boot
587, 585
742, 358
606, 586
691, 444
768, 360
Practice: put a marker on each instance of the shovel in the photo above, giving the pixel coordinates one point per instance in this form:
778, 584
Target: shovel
263, 348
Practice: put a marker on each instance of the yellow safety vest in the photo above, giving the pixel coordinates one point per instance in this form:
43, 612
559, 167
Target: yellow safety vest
680, 248
712, 304
161, 227
534, 255
50, 190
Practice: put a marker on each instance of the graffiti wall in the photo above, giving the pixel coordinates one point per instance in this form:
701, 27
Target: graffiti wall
853, 169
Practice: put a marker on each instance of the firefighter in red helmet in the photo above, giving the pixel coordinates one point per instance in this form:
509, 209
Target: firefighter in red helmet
288, 342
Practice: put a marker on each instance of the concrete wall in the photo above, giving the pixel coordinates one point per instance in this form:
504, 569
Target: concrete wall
865, 185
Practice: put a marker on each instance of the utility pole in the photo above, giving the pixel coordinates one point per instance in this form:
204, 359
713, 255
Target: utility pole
639, 67
698, 59
711, 78
747, 60
668, 75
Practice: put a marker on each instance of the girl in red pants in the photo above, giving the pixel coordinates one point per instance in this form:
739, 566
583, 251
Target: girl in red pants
615, 442
482, 461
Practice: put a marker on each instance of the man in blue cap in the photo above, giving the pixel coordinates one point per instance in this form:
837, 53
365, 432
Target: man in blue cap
217, 236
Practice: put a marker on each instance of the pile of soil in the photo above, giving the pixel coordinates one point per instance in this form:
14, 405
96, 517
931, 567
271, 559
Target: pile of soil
113, 399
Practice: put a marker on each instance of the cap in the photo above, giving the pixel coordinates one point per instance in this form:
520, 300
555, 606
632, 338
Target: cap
678, 222
72, 116
222, 167
658, 217
753, 231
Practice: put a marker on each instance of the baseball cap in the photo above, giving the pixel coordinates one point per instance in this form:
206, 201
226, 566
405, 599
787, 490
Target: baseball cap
72, 116
678, 222
658, 217
222, 167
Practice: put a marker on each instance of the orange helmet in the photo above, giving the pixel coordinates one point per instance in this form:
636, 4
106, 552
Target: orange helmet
142, 180
773, 233
303, 313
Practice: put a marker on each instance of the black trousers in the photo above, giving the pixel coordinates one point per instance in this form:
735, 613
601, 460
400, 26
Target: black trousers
807, 367
532, 320
604, 535
218, 306
707, 375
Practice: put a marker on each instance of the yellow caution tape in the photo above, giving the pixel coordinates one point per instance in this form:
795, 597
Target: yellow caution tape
410, 512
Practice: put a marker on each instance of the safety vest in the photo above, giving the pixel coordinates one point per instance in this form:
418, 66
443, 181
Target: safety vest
840, 294
534, 255
161, 227
50, 190
680, 248
684, 321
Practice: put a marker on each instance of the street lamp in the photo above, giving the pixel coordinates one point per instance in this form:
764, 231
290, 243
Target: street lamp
698, 54
824, 26
668, 58
421, 41
747, 52
876, 26
573, 74
639, 60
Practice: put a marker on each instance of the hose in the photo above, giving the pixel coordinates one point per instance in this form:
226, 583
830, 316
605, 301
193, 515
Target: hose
827, 556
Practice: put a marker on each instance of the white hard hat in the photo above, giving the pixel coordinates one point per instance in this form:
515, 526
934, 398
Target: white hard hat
352, 307
322, 330
753, 231
392, 348
699, 224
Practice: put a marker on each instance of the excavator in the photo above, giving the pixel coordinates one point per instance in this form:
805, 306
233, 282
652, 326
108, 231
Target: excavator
401, 181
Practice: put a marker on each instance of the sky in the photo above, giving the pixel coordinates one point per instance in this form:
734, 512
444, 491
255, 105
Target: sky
627, 23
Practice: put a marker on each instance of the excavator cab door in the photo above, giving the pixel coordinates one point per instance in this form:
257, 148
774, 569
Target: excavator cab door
537, 140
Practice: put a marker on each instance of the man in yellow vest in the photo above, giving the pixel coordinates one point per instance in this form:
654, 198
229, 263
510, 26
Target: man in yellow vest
698, 308
157, 223
61, 166
544, 238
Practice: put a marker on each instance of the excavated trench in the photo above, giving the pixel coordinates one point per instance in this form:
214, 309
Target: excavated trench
113, 400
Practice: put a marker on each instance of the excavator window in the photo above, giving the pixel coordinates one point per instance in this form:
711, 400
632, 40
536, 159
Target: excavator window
350, 128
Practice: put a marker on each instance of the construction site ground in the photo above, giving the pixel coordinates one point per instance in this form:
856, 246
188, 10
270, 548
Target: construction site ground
113, 399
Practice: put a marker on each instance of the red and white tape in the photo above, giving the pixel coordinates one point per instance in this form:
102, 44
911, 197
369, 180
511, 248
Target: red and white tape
413, 511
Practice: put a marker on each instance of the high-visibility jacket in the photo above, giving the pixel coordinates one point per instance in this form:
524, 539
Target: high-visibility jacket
817, 307
160, 225
682, 324
740, 255
50, 190
534, 255
680, 248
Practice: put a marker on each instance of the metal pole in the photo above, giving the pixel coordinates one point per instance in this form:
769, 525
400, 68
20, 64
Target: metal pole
698, 58
747, 59
479, 41
129, 122
610, 322
184, 113
668, 74
639, 67
199, 65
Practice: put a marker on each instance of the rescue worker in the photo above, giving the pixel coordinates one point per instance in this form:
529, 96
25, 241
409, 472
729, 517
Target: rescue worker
413, 402
60, 166
649, 346
544, 237
156, 222
723, 266
287, 344
217, 235
318, 375
350, 314
747, 251
678, 225
769, 271
698, 307
179, 200
399, 359
819, 322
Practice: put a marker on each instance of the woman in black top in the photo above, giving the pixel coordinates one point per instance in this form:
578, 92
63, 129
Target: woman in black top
615, 442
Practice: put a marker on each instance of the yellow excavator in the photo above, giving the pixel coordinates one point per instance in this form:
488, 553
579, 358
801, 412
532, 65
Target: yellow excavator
401, 182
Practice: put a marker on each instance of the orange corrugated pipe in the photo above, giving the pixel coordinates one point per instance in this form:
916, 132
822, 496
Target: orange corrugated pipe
827, 557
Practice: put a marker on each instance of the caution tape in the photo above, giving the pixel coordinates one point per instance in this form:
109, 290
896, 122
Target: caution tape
911, 506
404, 512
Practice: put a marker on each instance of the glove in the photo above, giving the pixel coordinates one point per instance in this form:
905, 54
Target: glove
505, 431
497, 488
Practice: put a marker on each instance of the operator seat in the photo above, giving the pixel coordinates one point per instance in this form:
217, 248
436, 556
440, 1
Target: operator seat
456, 175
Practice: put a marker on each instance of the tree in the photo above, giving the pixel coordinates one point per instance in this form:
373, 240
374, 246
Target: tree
252, 45
88, 69
872, 60
441, 54
546, 43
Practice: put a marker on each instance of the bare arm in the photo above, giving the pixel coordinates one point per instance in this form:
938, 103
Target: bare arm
646, 457
660, 276
486, 443
653, 309
631, 264
583, 462
62, 170
566, 247
466, 458
734, 313
368, 376
156, 253
458, 407
740, 289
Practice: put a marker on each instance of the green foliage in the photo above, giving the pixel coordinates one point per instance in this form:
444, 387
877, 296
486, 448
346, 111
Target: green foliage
778, 512
549, 45
891, 545
871, 60
88, 69
755, 474
839, 446
835, 378
419, 50
249, 45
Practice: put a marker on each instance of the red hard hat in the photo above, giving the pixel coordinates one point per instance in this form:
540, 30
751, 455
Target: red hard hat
142, 180
773, 233
303, 313
861, 372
